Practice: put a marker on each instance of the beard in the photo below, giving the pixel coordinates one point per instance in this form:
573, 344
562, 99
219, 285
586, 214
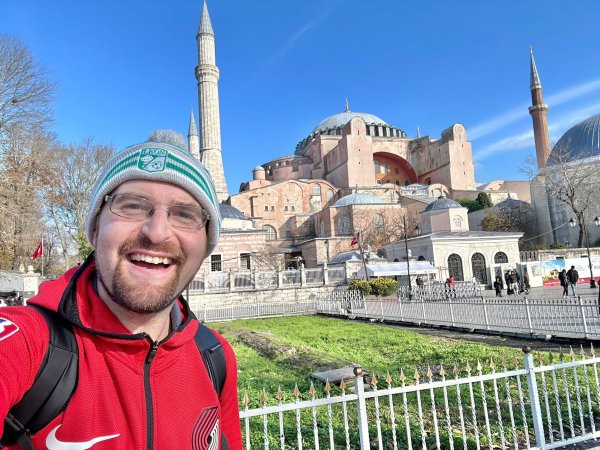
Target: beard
146, 298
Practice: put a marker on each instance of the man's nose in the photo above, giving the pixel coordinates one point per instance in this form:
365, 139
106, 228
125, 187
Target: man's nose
157, 227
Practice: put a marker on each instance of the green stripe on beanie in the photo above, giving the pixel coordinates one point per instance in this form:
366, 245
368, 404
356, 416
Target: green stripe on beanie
156, 161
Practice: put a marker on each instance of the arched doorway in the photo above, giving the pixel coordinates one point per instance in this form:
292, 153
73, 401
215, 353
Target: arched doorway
479, 269
500, 258
455, 267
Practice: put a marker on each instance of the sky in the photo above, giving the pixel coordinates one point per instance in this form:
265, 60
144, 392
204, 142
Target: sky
126, 67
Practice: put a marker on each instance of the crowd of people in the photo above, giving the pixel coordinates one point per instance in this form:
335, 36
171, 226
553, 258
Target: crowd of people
515, 283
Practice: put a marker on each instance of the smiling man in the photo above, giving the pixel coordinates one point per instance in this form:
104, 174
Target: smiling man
144, 376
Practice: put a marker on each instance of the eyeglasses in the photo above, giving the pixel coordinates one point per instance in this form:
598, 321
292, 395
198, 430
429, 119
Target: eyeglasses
137, 208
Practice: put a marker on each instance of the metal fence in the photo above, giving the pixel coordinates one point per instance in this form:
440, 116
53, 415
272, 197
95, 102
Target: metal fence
546, 406
436, 291
254, 311
569, 318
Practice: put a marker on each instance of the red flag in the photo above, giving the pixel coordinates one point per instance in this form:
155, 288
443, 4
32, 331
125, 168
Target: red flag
38, 252
355, 239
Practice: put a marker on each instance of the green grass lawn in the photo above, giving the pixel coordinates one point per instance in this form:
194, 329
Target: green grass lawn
282, 352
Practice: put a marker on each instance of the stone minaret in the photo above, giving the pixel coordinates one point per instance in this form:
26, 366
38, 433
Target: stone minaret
539, 111
193, 139
207, 75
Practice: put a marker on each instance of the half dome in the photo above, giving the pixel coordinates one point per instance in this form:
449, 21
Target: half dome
579, 142
358, 199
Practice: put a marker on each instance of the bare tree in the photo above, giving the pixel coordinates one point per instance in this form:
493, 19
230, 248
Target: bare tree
74, 171
382, 227
572, 179
26, 91
24, 167
168, 137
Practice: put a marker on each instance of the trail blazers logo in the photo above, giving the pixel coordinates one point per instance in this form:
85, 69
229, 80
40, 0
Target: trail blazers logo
206, 431
7, 328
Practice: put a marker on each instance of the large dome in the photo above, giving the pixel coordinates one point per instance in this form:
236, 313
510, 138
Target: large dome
581, 141
341, 119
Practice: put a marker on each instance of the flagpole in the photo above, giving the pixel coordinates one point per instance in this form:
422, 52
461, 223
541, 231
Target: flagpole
42, 256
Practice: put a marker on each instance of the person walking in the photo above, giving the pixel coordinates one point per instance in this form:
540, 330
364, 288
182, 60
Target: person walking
526, 282
562, 277
573, 278
498, 287
153, 218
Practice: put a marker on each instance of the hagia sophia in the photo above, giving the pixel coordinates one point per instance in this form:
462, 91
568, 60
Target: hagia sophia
354, 173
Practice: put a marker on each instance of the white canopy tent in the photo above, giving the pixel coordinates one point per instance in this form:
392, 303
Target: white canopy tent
398, 269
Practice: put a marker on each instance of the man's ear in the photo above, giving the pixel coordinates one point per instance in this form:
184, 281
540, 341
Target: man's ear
95, 231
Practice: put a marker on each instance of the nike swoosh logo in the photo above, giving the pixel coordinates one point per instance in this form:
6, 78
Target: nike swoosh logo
54, 444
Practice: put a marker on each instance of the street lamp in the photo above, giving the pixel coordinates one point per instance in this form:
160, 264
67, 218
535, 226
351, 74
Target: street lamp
417, 231
326, 242
587, 245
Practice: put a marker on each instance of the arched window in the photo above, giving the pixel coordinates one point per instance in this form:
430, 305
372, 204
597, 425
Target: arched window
316, 189
479, 269
455, 267
329, 194
343, 226
271, 233
500, 258
378, 221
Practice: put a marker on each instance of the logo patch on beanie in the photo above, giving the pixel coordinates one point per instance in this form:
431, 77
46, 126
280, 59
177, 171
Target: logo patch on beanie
153, 159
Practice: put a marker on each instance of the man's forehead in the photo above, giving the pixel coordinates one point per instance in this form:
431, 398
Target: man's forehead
156, 190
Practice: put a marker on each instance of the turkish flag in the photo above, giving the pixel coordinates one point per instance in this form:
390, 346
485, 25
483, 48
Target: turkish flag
355, 239
38, 252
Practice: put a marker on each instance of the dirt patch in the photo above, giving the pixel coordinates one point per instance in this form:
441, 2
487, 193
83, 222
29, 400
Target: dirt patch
275, 349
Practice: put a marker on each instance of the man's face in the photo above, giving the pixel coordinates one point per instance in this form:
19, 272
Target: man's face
144, 265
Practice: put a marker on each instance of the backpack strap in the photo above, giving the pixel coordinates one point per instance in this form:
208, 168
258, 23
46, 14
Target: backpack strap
54, 384
213, 356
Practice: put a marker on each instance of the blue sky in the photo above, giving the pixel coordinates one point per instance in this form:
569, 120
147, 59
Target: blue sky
126, 67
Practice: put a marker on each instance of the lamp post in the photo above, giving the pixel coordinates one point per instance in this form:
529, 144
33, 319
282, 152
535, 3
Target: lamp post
326, 242
587, 245
407, 256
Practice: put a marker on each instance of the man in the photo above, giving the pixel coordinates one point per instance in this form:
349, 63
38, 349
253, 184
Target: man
142, 384
573, 278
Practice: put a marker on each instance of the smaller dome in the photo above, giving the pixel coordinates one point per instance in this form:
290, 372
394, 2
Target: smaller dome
259, 168
229, 212
442, 203
358, 199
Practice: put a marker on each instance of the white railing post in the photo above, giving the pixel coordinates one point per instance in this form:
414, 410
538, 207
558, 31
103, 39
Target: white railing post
583, 319
361, 408
423, 310
485, 314
325, 275
279, 278
529, 324
302, 275
534, 399
231, 280
451, 311
205, 277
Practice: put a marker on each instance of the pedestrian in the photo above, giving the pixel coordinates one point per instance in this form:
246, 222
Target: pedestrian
573, 278
526, 282
562, 277
153, 217
516, 279
498, 287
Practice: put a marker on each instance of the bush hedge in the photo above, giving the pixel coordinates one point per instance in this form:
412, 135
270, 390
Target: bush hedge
377, 286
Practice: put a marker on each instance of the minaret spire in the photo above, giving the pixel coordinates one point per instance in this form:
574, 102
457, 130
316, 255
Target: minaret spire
347, 105
534, 77
207, 74
193, 138
539, 112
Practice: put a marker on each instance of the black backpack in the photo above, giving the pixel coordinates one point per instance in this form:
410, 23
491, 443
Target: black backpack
56, 380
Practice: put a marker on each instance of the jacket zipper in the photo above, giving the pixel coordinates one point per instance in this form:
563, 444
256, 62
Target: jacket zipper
148, 393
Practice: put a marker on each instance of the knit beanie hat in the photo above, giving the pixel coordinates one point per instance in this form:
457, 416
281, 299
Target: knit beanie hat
158, 162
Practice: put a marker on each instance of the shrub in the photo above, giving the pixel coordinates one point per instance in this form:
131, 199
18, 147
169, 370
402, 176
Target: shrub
360, 285
383, 286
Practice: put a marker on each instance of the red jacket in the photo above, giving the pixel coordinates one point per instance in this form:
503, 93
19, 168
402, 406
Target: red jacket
125, 398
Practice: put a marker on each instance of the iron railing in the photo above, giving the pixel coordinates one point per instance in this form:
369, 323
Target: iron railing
545, 406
